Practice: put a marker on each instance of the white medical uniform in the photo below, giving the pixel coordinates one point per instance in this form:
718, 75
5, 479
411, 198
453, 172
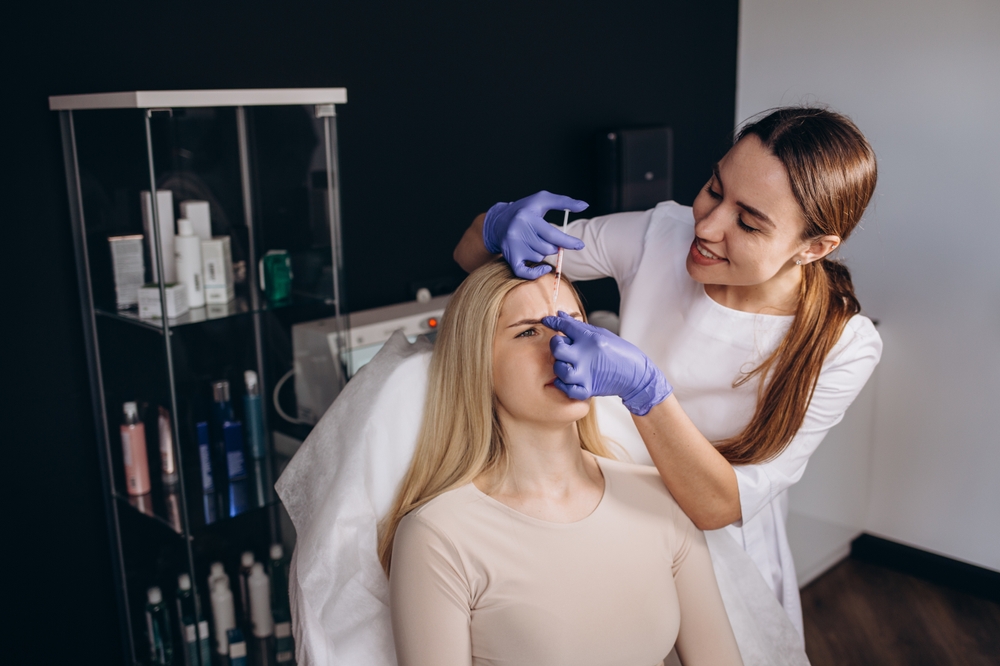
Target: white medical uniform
702, 348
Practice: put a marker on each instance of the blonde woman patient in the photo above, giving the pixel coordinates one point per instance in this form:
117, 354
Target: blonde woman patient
516, 537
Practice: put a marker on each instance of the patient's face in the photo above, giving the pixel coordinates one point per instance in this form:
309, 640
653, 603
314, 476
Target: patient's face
522, 363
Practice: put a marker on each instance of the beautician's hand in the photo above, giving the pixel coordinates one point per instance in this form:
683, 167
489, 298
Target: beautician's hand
594, 361
518, 231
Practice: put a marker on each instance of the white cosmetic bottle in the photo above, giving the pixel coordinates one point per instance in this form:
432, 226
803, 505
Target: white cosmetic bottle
187, 249
259, 585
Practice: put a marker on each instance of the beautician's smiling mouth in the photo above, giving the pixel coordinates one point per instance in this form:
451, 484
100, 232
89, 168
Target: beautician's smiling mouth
704, 252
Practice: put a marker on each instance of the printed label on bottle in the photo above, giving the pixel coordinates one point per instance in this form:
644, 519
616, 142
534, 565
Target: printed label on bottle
234, 460
283, 657
206, 468
282, 629
190, 633
237, 650
127, 447
203, 629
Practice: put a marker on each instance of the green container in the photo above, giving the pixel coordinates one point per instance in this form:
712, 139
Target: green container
276, 276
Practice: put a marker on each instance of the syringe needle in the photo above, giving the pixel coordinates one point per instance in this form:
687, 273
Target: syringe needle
559, 260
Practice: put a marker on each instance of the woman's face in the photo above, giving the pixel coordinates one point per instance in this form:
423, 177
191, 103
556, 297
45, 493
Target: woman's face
748, 225
522, 362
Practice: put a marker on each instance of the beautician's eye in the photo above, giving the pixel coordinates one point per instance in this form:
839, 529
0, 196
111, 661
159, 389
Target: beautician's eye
527, 334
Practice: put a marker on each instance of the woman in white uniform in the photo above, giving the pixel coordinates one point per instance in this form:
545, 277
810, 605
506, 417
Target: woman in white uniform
742, 342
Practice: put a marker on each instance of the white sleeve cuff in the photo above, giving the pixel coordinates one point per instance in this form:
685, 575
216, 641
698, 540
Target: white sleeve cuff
755, 490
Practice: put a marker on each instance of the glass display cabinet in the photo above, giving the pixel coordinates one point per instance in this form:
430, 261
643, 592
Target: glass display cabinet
206, 224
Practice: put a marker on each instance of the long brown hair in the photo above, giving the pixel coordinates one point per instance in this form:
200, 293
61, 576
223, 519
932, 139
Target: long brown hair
461, 437
832, 171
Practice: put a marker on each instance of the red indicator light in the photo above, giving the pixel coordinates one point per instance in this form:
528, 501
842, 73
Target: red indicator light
432, 322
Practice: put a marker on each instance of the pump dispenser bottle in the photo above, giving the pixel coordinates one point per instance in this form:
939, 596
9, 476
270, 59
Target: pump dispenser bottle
133, 433
161, 650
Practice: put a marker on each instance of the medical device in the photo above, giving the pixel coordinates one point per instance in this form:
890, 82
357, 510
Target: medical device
326, 357
559, 258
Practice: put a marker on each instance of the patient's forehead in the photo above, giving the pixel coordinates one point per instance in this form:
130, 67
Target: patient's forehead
533, 300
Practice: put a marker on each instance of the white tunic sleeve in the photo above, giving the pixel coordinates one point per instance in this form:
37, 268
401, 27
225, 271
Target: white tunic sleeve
847, 368
614, 246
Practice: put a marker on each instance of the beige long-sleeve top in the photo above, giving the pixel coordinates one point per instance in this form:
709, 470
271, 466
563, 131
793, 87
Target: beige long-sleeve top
476, 582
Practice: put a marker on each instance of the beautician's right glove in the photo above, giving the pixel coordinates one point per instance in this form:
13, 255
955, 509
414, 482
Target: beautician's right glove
594, 361
519, 231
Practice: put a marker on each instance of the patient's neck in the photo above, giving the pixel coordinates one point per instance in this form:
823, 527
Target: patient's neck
548, 476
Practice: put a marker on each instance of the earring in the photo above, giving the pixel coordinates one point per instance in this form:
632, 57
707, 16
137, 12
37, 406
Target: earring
798, 262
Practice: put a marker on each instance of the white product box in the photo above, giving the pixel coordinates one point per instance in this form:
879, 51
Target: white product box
165, 213
149, 301
217, 258
128, 267
201, 218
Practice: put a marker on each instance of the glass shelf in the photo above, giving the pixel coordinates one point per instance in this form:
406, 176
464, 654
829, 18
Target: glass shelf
237, 307
168, 515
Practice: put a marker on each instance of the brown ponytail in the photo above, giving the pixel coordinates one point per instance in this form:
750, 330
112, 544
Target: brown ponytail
833, 172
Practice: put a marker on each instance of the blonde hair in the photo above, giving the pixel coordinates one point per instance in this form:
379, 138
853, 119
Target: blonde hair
461, 437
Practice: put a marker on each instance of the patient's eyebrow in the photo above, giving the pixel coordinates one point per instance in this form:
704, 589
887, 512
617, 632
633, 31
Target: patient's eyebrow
535, 322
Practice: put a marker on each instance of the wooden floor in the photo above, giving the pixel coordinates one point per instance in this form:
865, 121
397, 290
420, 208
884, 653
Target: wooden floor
858, 614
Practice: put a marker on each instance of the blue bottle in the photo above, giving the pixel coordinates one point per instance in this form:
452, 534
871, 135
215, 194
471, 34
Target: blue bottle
236, 466
207, 479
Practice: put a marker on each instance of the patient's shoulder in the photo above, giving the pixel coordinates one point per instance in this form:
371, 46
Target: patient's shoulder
449, 510
638, 483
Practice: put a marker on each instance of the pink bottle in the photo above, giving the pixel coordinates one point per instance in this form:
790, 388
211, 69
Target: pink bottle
134, 450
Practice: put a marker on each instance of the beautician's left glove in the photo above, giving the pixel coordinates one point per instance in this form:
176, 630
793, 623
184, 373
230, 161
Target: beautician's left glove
594, 361
520, 232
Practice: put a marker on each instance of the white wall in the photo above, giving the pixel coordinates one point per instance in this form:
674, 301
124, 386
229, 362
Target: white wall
922, 80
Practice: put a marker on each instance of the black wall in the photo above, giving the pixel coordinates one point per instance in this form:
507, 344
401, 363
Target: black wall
452, 106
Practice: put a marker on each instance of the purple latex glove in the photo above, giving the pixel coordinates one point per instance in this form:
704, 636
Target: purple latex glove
519, 231
594, 361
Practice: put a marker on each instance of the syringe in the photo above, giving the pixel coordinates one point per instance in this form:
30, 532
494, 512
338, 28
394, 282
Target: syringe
559, 258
